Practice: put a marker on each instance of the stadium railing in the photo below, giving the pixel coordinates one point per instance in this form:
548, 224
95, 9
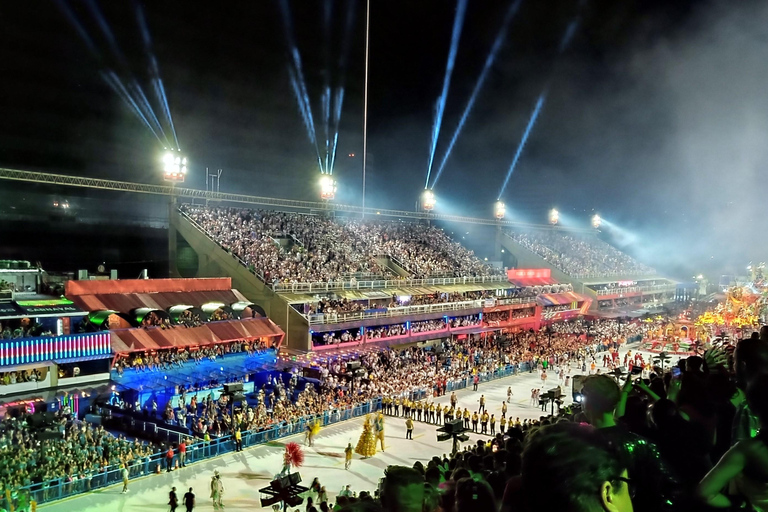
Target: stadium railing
334, 318
395, 283
59, 488
632, 289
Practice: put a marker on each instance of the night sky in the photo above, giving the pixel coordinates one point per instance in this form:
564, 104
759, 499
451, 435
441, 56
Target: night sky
655, 118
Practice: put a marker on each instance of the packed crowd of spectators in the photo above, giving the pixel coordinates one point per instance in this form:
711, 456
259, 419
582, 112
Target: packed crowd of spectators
329, 306
428, 325
465, 321
386, 331
77, 454
336, 337
580, 255
88, 450
324, 249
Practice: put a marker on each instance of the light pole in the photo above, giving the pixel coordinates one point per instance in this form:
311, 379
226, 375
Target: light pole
365, 95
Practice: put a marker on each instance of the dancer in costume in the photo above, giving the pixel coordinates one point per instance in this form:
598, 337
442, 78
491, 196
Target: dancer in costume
292, 458
366, 445
312, 430
348, 456
379, 427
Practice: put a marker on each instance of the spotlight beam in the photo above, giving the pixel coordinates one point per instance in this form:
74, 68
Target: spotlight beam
326, 97
297, 80
326, 112
119, 88
305, 116
154, 71
134, 88
150, 114
338, 101
108, 34
109, 76
531, 123
339, 96
72, 19
458, 23
565, 43
500, 37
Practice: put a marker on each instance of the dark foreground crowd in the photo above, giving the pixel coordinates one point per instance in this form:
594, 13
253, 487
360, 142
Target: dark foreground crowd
688, 438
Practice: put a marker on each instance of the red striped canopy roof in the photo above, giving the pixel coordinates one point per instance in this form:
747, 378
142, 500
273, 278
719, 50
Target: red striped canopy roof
155, 338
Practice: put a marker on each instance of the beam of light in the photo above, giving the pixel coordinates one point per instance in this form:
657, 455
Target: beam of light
154, 71
568, 36
458, 22
109, 77
304, 115
72, 19
326, 96
565, 42
140, 98
147, 109
114, 82
108, 34
297, 80
500, 37
531, 123
338, 101
339, 96
326, 112
168, 111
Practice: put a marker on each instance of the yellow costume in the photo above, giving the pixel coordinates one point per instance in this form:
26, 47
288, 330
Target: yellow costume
379, 428
366, 446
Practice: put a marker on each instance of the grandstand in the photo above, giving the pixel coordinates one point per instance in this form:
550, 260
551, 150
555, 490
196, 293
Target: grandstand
338, 283
617, 283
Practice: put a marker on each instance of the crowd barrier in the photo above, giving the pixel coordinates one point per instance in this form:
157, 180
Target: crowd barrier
59, 488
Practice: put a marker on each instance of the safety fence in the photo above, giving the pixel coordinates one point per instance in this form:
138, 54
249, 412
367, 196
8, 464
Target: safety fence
59, 488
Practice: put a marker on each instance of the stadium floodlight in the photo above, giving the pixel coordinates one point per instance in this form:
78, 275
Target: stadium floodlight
428, 200
554, 217
174, 166
499, 209
327, 187
596, 221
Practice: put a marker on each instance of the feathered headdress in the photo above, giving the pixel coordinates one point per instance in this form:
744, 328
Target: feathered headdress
294, 455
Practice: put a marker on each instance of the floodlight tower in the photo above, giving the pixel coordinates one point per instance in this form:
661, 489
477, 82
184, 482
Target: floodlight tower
327, 187
428, 200
554, 217
499, 209
174, 166
596, 221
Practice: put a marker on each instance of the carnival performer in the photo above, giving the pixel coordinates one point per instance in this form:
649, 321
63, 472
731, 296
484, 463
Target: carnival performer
292, 458
348, 456
217, 490
379, 426
366, 445
313, 427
